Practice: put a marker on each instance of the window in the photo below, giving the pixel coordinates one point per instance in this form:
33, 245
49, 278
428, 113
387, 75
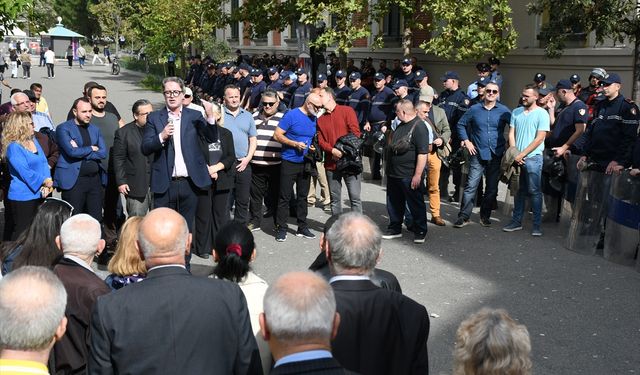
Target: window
235, 26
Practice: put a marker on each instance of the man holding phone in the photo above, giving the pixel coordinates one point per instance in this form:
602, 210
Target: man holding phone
296, 131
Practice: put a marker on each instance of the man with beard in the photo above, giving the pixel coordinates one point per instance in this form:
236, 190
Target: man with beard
80, 174
108, 124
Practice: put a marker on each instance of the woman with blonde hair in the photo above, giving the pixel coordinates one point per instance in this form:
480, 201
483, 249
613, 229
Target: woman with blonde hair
30, 176
490, 342
126, 265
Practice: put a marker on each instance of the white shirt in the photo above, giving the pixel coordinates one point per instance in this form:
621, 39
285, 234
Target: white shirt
179, 166
49, 57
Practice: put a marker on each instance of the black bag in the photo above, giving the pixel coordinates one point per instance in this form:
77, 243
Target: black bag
403, 144
351, 161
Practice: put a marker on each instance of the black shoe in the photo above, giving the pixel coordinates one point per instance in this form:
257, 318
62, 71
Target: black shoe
389, 235
454, 198
485, 222
281, 235
306, 233
419, 237
460, 223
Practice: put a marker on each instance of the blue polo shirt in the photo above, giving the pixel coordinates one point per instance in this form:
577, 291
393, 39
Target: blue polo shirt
485, 128
565, 125
298, 127
241, 127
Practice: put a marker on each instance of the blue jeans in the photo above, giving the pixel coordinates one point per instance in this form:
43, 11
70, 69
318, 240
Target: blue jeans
531, 184
399, 194
491, 171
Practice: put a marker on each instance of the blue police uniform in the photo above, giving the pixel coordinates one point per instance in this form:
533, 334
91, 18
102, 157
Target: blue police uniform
342, 95
381, 109
244, 83
455, 104
613, 131
256, 94
496, 77
565, 125
300, 94
360, 101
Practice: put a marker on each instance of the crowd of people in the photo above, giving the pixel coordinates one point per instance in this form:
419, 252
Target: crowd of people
226, 141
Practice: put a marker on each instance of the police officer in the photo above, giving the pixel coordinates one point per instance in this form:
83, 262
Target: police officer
289, 86
257, 88
321, 80
481, 83
540, 80
359, 99
342, 90
424, 91
380, 114
275, 82
455, 103
575, 84
611, 135
484, 70
401, 89
304, 86
495, 75
592, 94
244, 80
408, 74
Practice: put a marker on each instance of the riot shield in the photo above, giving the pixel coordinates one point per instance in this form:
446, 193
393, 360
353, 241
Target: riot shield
623, 220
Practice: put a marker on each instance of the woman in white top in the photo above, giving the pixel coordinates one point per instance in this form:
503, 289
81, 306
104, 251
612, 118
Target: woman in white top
233, 250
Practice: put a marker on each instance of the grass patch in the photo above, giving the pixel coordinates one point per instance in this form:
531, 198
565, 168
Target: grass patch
137, 65
152, 82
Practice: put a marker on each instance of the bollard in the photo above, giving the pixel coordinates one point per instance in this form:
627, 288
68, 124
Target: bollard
623, 220
590, 207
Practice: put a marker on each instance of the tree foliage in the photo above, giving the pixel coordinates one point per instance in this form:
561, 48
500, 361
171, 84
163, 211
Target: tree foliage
608, 19
75, 15
10, 11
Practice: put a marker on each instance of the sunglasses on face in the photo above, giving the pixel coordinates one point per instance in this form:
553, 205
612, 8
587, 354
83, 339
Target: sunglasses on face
268, 104
494, 92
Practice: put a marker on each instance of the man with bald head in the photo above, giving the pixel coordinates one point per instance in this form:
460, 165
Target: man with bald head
299, 321
173, 322
381, 331
32, 304
296, 131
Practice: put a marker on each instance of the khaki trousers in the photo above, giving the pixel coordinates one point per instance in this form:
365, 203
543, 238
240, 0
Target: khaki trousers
433, 177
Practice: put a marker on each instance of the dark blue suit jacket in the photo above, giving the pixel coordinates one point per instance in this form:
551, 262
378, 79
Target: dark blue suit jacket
194, 130
68, 167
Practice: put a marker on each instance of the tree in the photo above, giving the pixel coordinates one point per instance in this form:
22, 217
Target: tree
616, 20
75, 14
38, 16
10, 11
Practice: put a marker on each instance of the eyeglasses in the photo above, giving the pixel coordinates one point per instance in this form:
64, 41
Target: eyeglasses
23, 103
172, 94
54, 199
494, 92
268, 104
187, 96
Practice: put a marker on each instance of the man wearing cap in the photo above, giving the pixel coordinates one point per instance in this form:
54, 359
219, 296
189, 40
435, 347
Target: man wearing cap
539, 79
244, 81
383, 68
481, 83
455, 104
407, 72
575, 84
321, 80
401, 89
425, 92
527, 129
289, 87
613, 131
254, 93
495, 75
342, 89
275, 82
221, 81
208, 80
195, 71
304, 86
338, 121
380, 113
484, 70
359, 99
188, 101
570, 121
481, 131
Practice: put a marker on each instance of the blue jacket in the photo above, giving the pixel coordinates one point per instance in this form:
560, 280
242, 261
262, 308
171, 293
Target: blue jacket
28, 172
68, 167
193, 131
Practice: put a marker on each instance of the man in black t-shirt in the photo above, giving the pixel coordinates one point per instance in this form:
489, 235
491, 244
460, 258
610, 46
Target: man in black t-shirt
405, 173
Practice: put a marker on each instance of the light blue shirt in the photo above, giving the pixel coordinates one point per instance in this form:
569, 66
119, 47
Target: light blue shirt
303, 356
41, 120
527, 125
242, 128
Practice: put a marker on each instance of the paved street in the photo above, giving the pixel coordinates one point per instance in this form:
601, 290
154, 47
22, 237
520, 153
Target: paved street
582, 312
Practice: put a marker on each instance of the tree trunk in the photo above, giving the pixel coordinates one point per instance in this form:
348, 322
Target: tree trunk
407, 41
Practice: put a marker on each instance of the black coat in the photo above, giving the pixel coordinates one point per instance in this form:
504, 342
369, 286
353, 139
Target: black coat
381, 331
173, 323
131, 166
225, 179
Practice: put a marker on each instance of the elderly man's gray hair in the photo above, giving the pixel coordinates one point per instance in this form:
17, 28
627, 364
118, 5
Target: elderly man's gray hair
14, 97
80, 234
297, 313
32, 305
354, 243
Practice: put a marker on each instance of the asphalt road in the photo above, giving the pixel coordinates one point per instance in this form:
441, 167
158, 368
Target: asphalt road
582, 312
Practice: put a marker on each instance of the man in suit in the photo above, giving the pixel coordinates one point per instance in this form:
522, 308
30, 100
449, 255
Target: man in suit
157, 326
381, 331
132, 168
79, 172
298, 322
179, 168
80, 242
32, 304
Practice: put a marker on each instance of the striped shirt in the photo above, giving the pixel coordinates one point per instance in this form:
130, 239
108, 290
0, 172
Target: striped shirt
267, 149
